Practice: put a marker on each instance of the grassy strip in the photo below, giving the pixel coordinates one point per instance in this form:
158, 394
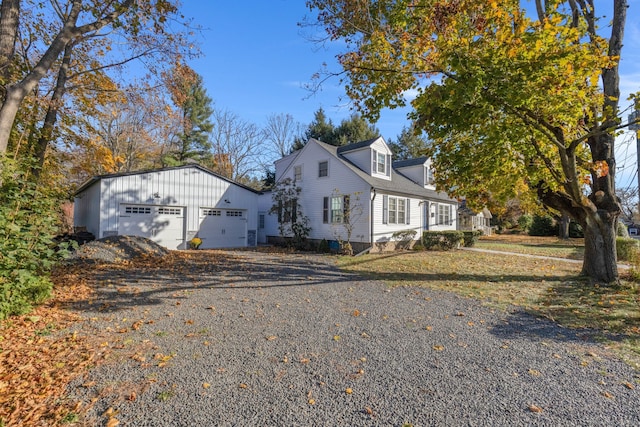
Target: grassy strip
570, 249
550, 289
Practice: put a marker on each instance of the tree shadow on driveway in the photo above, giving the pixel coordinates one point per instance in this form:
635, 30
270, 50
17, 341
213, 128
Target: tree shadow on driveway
146, 282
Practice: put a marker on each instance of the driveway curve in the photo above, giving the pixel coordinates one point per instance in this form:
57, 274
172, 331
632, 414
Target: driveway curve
241, 338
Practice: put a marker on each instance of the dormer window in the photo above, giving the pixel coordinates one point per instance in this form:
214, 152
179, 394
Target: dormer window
428, 175
381, 163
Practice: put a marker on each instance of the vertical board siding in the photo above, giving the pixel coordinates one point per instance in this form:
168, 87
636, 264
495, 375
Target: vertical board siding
191, 188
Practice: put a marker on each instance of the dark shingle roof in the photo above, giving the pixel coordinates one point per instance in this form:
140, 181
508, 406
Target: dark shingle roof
357, 145
398, 183
409, 162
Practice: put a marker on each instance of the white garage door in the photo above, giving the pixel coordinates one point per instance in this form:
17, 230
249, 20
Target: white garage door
223, 228
162, 224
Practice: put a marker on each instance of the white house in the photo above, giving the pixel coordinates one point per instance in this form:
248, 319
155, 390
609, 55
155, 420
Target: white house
170, 206
381, 198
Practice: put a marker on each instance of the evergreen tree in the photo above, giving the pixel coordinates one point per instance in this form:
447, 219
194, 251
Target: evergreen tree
410, 145
320, 128
190, 97
354, 129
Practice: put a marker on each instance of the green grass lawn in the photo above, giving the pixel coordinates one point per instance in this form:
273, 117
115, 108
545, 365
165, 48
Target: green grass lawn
547, 246
551, 289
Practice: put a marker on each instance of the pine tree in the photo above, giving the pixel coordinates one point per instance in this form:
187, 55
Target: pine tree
190, 97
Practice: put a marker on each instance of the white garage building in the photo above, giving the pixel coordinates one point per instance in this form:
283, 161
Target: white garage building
170, 206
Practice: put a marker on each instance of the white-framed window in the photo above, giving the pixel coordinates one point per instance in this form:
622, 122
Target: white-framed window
234, 213
444, 214
335, 209
297, 173
395, 210
323, 169
380, 163
428, 175
261, 221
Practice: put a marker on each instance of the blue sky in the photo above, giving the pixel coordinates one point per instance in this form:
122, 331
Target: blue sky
256, 62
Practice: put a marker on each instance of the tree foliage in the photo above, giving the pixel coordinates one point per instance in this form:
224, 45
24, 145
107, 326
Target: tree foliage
410, 144
29, 216
194, 105
292, 223
353, 129
512, 103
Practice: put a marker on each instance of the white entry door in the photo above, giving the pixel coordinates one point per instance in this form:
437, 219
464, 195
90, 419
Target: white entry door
162, 224
223, 228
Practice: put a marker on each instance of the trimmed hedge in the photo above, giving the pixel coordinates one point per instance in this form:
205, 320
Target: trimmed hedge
442, 240
471, 237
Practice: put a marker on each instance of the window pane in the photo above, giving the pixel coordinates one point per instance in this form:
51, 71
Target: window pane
336, 209
381, 161
401, 211
323, 169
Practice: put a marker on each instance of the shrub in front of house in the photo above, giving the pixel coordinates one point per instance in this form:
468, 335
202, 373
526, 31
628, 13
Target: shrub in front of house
628, 250
471, 237
442, 240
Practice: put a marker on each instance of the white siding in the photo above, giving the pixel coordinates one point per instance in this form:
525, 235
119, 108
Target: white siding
191, 188
414, 173
315, 188
86, 210
283, 163
384, 232
434, 223
361, 158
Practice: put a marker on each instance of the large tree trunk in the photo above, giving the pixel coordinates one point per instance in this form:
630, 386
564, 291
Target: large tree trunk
600, 258
46, 133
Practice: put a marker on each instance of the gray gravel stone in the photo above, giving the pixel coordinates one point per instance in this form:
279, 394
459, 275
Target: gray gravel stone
289, 340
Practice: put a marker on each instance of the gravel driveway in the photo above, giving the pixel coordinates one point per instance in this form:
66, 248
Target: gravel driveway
257, 339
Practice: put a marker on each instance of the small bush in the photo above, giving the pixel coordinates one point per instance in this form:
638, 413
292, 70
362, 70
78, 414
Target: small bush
471, 237
442, 240
627, 249
418, 247
622, 230
525, 221
543, 225
323, 246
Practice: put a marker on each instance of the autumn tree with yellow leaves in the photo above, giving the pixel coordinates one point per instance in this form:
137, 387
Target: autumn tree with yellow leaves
513, 101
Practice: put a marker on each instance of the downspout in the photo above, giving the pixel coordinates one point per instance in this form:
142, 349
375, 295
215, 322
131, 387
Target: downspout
372, 197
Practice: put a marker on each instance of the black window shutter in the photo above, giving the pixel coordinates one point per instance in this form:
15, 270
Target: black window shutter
325, 210
407, 212
279, 211
294, 211
345, 208
385, 209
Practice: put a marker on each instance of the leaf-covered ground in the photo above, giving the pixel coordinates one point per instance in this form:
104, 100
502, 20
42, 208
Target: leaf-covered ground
548, 288
39, 355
